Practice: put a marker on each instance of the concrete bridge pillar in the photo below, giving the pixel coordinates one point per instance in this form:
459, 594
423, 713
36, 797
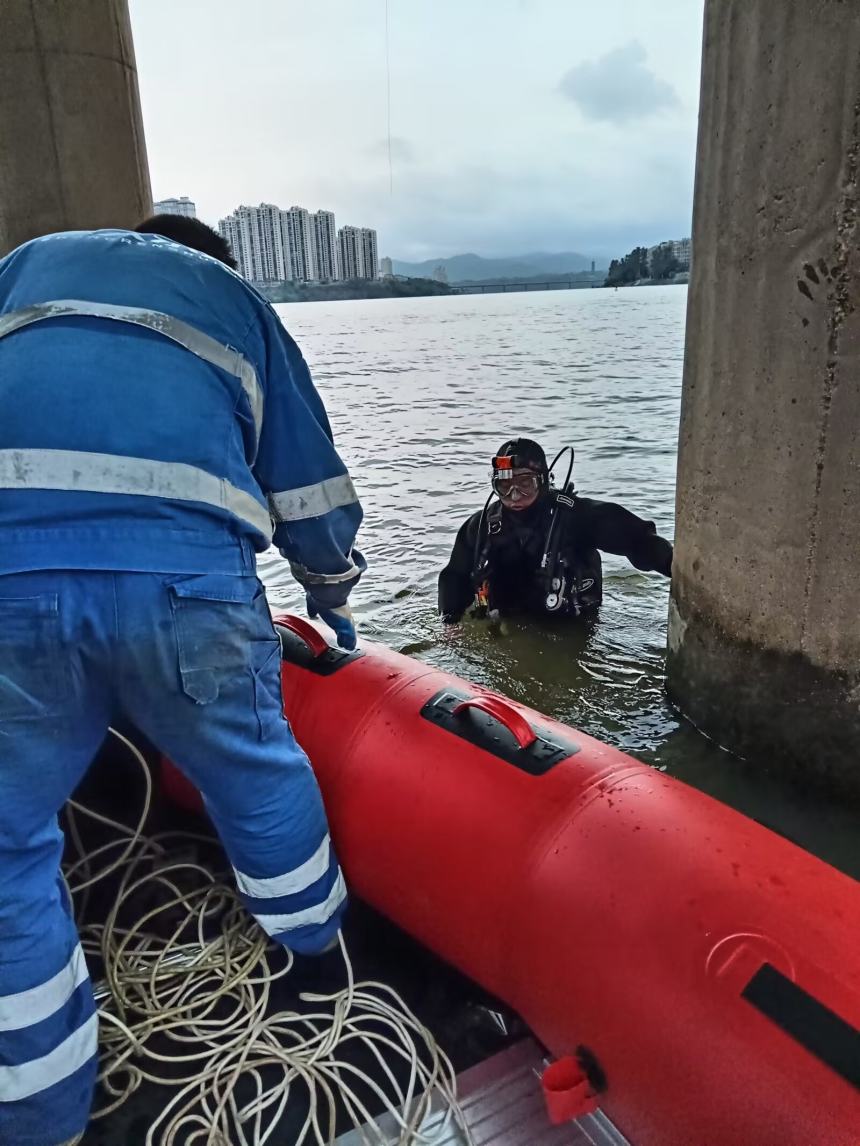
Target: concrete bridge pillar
765, 618
72, 151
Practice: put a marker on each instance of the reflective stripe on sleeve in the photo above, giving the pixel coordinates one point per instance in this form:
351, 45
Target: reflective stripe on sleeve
313, 500
305, 577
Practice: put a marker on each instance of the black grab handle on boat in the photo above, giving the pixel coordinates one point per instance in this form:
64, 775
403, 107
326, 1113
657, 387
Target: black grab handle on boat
506, 715
492, 724
304, 645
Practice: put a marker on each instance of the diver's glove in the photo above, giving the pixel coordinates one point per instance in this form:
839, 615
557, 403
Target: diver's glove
339, 620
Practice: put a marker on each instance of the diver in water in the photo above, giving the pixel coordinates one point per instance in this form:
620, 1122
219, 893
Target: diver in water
534, 549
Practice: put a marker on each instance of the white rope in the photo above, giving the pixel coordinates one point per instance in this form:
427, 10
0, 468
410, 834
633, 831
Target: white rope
184, 1002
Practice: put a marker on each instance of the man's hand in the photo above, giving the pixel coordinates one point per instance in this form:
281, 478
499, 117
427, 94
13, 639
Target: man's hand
339, 620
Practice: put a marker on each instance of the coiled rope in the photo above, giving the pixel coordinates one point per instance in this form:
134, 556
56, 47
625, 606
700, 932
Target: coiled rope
185, 996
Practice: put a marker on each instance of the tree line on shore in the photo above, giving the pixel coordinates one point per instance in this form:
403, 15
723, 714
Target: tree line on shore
353, 288
660, 266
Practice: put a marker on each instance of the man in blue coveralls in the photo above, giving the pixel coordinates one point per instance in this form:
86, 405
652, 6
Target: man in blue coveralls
158, 428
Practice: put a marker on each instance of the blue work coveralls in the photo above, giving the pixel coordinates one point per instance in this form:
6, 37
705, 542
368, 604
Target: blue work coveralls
157, 427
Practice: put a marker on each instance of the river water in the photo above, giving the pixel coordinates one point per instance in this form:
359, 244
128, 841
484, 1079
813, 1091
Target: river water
421, 392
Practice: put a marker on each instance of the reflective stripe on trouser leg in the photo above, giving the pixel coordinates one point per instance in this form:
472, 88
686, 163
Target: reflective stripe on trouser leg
224, 727
284, 924
48, 1066
54, 705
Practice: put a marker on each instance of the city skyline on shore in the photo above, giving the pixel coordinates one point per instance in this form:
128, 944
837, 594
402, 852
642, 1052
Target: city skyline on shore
535, 125
274, 245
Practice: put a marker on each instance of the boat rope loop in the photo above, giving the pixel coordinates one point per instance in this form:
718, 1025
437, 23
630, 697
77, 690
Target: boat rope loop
184, 1002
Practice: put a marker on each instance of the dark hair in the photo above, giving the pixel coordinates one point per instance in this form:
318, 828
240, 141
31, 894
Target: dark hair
191, 233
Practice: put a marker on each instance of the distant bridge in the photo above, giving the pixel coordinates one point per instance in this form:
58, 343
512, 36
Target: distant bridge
490, 287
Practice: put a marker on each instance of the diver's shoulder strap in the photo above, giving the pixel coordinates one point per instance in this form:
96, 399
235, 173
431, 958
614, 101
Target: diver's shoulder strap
490, 529
565, 497
494, 518
564, 502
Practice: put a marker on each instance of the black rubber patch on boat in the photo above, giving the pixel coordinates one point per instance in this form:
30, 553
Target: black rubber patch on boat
817, 1028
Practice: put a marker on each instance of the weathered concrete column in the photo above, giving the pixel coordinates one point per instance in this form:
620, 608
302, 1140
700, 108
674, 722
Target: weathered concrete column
765, 620
72, 151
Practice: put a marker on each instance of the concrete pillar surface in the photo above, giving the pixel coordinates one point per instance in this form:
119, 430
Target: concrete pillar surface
72, 151
764, 627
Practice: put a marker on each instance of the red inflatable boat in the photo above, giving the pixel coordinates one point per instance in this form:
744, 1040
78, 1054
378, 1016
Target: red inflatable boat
706, 970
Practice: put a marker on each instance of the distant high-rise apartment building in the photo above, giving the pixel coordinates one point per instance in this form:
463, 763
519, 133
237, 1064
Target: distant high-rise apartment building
370, 259
357, 252
299, 236
258, 242
240, 232
181, 206
275, 258
386, 267
349, 253
325, 246
682, 249
271, 245
229, 229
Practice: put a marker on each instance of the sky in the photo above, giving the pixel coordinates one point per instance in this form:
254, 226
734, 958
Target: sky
515, 125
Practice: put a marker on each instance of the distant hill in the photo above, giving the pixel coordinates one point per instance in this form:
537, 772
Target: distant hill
473, 268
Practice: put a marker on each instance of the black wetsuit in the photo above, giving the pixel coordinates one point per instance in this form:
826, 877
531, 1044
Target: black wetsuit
505, 553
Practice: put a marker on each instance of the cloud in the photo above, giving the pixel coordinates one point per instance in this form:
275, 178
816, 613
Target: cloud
583, 202
618, 87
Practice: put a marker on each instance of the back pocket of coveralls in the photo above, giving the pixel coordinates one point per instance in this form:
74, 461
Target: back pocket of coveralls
33, 668
214, 620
